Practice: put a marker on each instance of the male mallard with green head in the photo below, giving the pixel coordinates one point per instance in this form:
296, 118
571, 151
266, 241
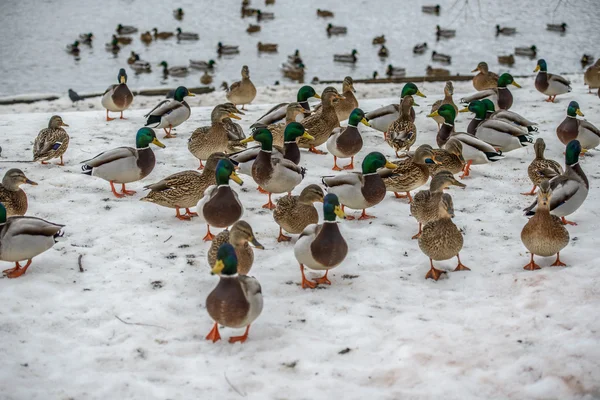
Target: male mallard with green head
279, 112
573, 128
294, 213
383, 117
170, 113
51, 142
549, 84
541, 168
501, 95
117, 98
240, 236
347, 142
11, 195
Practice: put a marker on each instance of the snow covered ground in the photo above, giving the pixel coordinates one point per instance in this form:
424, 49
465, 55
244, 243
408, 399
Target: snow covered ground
132, 325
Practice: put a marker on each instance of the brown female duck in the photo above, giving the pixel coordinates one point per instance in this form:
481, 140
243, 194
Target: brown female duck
449, 158
242, 92
320, 125
11, 195
448, 92
51, 142
294, 213
541, 168
239, 236
402, 133
485, 79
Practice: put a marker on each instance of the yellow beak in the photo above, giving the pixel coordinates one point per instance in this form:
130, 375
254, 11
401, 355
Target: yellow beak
537, 68
338, 211
307, 136
248, 140
234, 177
316, 96
122, 80
516, 84
365, 122
390, 165
156, 142
435, 161
578, 112
190, 94
219, 265
433, 114
232, 115
466, 109
415, 104
420, 94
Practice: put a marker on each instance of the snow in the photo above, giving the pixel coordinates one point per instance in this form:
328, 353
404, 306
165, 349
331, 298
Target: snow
380, 331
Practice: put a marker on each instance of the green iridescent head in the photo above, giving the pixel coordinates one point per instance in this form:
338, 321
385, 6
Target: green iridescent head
305, 93
144, 137
489, 105
572, 152
181, 92
295, 130
411, 89
541, 64
225, 171
226, 261
507, 79
573, 109
447, 112
262, 136
375, 160
332, 208
356, 117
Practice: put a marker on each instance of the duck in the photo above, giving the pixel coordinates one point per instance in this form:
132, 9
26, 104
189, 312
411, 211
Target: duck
294, 72
122, 39
203, 65
133, 57
395, 72
379, 39
449, 158
444, 33
223, 49
347, 142
293, 111
73, 48
443, 58
207, 140
184, 189
248, 12
162, 35
572, 128
402, 133
178, 14
448, 92
294, 213
360, 190
475, 150
530, 51
409, 174
146, 37
125, 164
336, 30
240, 236
23, 238
235, 132
220, 206
206, 79
431, 9
170, 113
295, 58
346, 58
557, 27
51, 142
117, 98
86, 38
320, 125
441, 239
178, 71
126, 29
592, 76
506, 115
420, 48
430, 71
11, 194
348, 104
236, 301
383, 51
506, 60
186, 35
324, 13
273, 174
541, 168
381, 118
253, 28
505, 30
242, 92
569, 190
549, 84
322, 246
141, 66
264, 16
266, 47
279, 112
500, 95
425, 206
544, 234
113, 46
485, 79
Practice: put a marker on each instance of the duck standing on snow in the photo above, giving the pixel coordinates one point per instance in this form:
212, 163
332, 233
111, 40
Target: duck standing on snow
382, 117
117, 98
322, 247
549, 84
449, 158
242, 92
237, 299
544, 234
592, 76
170, 113
500, 95
22, 238
572, 128
345, 106
203, 65
347, 142
51, 142
320, 125
125, 164
569, 190
448, 92
485, 79
402, 133
224, 49
294, 112
294, 213
240, 236
541, 168
336, 30
11, 195
279, 112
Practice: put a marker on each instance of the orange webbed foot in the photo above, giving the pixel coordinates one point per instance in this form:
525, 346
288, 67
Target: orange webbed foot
434, 273
364, 216
558, 263
17, 271
322, 280
531, 266
180, 216
261, 190
214, 334
282, 237
305, 282
209, 236
241, 339
567, 222
461, 267
313, 149
190, 213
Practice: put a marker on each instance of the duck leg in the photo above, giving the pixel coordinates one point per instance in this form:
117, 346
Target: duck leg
466, 169
404, 196
460, 266
305, 282
323, 280
190, 213
169, 135
532, 265
114, 191
127, 192
530, 193
261, 190
44, 162
433, 272
209, 236
567, 222
558, 263
107, 117
242, 338
418, 234
61, 163
122, 117
214, 334
313, 149
201, 167
282, 237
335, 166
364, 215
17, 271
180, 216
270, 204
351, 165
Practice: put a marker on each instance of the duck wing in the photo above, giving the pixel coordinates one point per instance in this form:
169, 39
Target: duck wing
275, 114
111, 156
345, 179
479, 95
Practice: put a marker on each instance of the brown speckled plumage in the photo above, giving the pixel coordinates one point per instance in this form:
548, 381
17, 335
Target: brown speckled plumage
12, 196
51, 142
450, 158
239, 235
294, 213
541, 168
321, 124
484, 79
211, 139
441, 239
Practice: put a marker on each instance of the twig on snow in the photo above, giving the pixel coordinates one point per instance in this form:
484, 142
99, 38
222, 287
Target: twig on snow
139, 323
79, 263
169, 238
233, 387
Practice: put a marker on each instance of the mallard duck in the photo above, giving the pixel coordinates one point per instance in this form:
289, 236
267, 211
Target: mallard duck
409, 174
449, 158
162, 35
223, 49
420, 48
448, 92
293, 111
505, 30
273, 174
267, 47
320, 125
544, 234
279, 112
117, 98
569, 189
294, 213
592, 76
294, 72
178, 14
381, 118
206, 79
86, 38
383, 51
248, 12
126, 29
51, 142
269, 2
379, 39
345, 106
572, 128
485, 79
235, 132
586, 60
22, 238
500, 95
264, 16
146, 37
443, 58
475, 150
133, 57
295, 58
541, 168
220, 206
113, 46
402, 133
73, 48
237, 299
242, 92
322, 247
125, 164
336, 30
122, 39
549, 84
441, 239
203, 65
556, 27
240, 236
207, 140
426, 203
178, 71
346, 58
526, 51
375, 75
506, 60
170, 112
141, 66
431, 9
186, 35
444, 33
184, 189
11, 195
506, 115
324, 13
347, 142
253, 28
430, 71
360, 191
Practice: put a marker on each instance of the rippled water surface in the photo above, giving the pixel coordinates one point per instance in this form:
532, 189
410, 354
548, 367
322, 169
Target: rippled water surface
35, 32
